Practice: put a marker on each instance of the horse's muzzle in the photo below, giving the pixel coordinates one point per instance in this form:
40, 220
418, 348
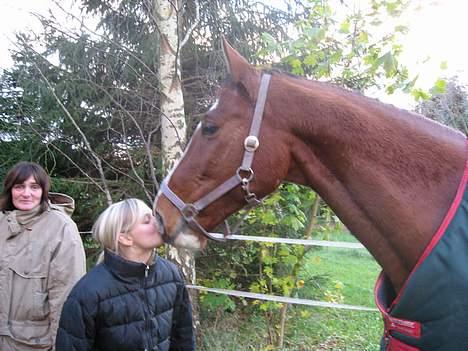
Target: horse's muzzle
162, 227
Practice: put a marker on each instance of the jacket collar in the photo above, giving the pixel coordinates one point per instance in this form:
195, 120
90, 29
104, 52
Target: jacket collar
127, 269
26, 218
18, 220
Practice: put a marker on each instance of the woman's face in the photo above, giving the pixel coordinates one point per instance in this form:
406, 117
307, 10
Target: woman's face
27, 195
146, 234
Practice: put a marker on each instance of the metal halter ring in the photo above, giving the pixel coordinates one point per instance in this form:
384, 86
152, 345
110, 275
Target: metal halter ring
189, 211
244, 179
251, 143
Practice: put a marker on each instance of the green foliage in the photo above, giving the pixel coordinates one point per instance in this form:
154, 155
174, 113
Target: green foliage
92, 250
87, 198
217, 302
448, 104
440, 87
350, 274
420, 94
264, 267
352, 51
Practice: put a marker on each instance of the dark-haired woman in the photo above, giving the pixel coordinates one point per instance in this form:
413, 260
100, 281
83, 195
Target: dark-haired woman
41, 258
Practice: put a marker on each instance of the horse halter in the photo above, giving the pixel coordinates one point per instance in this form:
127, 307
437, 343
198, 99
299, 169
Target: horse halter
243, 176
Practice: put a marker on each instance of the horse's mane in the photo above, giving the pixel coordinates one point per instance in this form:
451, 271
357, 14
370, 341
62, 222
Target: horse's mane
355, 95
331, 86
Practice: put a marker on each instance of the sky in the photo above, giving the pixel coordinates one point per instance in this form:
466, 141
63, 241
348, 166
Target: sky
14, 16
437, 34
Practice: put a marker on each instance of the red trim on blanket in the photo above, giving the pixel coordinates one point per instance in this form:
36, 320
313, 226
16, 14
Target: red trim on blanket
377, 287
391, 323
402, 326
439, 233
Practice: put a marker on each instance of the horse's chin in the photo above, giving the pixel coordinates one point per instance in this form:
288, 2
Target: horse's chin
180, 235
185, 239
189, 241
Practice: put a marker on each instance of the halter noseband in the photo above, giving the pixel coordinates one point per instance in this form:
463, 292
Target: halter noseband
251, 143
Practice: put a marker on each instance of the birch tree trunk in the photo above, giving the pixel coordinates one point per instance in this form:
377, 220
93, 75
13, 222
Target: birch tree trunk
173, 126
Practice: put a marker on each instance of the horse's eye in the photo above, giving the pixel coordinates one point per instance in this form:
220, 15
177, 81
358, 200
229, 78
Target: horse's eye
209, 129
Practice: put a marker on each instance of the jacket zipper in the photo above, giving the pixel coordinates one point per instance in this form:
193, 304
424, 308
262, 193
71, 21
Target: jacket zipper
148, 318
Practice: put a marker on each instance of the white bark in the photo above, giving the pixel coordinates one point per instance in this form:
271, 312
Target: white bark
173, 126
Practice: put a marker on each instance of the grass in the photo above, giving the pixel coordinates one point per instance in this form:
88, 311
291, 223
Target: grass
330, 274
349, 273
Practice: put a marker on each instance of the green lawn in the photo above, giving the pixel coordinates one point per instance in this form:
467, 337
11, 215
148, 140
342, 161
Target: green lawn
330, 274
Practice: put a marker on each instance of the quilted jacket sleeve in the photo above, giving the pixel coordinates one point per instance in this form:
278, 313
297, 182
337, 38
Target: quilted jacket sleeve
76, 330
182, 334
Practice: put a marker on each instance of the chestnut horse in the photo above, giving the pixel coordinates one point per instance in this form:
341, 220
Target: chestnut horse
390, 175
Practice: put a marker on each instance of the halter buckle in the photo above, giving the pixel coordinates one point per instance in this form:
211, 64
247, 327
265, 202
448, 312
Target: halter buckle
251, 143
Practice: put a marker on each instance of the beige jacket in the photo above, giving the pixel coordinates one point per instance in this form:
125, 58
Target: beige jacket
41, 258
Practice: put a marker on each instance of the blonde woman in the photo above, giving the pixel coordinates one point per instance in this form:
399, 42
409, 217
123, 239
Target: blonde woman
133, 299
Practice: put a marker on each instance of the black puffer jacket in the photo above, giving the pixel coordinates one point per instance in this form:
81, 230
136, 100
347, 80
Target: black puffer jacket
126, 306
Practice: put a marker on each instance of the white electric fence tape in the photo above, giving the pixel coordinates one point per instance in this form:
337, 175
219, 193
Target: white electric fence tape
283, 299
339, 244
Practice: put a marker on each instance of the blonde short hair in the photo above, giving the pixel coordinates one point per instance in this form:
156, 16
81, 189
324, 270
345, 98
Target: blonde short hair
118, 218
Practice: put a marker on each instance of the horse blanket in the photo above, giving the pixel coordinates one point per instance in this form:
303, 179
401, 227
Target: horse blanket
430, 313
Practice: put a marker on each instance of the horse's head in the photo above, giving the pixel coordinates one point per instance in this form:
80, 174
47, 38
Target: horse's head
216, 176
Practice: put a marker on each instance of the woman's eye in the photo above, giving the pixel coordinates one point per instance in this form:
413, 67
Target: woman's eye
147, 218
209, 129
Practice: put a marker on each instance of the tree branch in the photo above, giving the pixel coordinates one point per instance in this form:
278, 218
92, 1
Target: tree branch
83, 136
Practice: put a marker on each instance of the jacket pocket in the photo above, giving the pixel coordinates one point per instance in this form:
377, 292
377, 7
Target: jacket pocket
34, 334
29, 298
40, 306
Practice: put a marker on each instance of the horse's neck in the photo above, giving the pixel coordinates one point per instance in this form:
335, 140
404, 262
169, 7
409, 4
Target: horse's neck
390, 175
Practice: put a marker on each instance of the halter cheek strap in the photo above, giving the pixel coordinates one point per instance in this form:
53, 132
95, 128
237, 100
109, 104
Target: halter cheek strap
243, 176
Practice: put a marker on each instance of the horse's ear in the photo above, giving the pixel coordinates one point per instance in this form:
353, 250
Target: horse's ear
240, 70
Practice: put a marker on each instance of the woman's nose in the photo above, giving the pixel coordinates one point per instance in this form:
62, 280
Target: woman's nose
26, 191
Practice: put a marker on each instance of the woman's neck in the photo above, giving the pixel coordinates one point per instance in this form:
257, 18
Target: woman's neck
134, 255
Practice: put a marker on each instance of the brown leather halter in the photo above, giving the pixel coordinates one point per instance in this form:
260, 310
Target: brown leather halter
243, 176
